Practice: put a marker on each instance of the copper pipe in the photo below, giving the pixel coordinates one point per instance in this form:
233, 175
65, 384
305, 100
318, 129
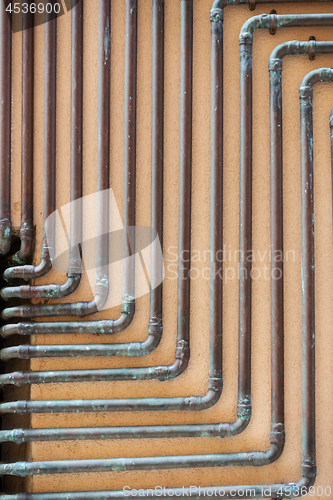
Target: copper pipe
281, 490
24, 254
5, 128
35, 271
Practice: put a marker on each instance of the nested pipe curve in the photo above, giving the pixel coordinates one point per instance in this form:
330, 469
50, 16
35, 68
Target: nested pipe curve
305, 482
277, 293
281, 490
74, 271
155, 315
102, 236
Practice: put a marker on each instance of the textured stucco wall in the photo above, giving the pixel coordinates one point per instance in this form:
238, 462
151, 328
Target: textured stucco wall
194, 381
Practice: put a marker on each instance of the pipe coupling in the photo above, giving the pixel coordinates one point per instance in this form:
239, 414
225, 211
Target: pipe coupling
155, 326
277, 434
275, 65
245, 38
182, 350
309, 468
27, 231
26, 328
244, 408
215, 382
128, 305
216, 17
194, 402
162, 373
305, 92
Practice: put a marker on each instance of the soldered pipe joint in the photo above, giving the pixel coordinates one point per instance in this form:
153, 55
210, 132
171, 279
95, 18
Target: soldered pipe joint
277, 435
245, 38
309, 467
216, 17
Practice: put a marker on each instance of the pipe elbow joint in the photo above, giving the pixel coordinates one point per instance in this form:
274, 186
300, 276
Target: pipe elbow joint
27, 235
17, 379
237, 427
182, 359
15, 352
216, 18
18, 329
67, 288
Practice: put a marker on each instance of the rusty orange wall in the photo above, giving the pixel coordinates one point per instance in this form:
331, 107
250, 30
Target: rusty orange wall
194, 381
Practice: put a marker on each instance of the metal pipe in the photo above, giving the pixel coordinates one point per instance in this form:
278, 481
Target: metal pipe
24, 254
182, 349
103, 170
111, 326
75, 267
281, 490
155, 319
331, 130
276, 232
5, 129
27, 271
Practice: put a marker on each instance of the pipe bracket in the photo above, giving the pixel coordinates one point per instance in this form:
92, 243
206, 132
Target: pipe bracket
273, 22
312, 48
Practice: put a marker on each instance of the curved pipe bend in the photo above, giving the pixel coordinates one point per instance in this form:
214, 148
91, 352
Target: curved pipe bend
41, 291
39, 351
28, 272
164, 372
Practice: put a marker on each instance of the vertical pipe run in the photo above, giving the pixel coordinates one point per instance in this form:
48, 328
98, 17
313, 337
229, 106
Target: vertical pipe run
103, 154
216, 197
245, 225
276, 230
185, 175
129, 197
157, 129
27, 226
5, 128
50, 75
75, 264
331, 133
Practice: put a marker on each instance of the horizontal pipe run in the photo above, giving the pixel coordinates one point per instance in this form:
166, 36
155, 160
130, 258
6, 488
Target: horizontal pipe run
220, 430
282, 490
192, 403
24, 469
